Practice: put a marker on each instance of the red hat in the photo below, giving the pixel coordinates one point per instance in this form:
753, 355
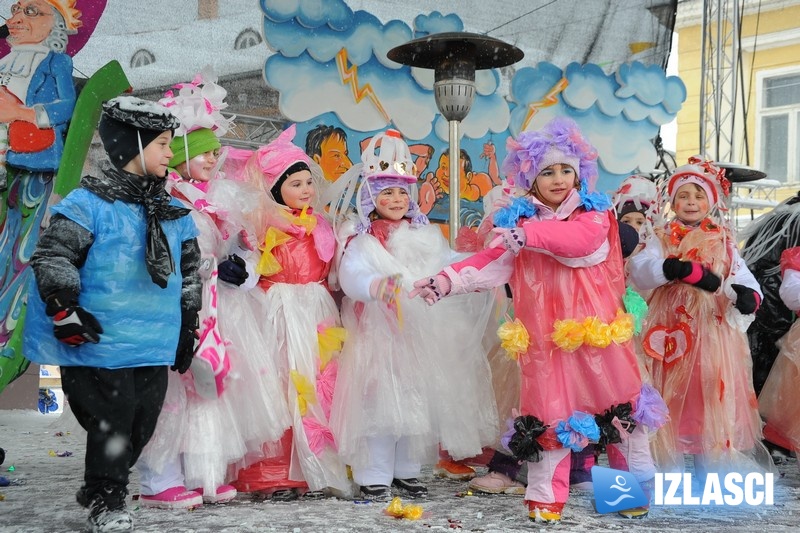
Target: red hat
696, 174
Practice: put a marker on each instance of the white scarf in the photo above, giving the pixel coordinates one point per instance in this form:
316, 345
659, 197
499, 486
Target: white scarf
17, 68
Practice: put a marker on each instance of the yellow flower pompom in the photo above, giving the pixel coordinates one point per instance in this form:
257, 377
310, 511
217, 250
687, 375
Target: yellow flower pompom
568, 334
330, 340
598, 334
268, 265
306, 392
623, 327
514, 338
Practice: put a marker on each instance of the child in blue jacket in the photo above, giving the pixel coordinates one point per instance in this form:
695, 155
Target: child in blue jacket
119, 292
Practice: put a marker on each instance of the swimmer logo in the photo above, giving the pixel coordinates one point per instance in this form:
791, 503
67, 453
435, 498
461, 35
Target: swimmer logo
616, 490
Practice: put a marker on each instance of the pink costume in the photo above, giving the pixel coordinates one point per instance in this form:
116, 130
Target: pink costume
570, 269
702, 361
778, 401
563, 261
297, 314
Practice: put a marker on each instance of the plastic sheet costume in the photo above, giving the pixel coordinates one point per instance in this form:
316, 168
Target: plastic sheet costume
765, 239
703, 366
409, 375
567, 282
299, 319
779, 403
221, 412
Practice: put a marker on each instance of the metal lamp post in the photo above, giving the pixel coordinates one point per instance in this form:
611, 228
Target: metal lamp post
454, 57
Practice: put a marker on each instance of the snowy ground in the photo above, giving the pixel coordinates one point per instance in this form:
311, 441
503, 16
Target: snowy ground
42, 500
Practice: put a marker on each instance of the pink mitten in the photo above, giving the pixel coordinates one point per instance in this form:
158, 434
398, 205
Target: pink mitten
432, 289
512, 239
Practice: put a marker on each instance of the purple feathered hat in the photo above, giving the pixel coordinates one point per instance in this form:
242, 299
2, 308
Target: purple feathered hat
560, 141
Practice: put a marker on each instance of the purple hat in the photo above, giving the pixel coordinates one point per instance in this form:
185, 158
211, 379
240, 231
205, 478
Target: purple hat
560, 141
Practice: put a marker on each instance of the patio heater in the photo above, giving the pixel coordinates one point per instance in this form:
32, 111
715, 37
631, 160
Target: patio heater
454, 57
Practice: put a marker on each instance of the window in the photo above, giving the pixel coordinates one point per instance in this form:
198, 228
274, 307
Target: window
247, 39
779, 125
142, 58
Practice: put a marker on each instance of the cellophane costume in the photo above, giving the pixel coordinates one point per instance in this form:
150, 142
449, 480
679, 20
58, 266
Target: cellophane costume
572, 334
221, 412
778, 402
300, 321
702, 361
411, 378
765, 239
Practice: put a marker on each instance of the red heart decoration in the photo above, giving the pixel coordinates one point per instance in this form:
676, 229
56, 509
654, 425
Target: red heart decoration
668, 344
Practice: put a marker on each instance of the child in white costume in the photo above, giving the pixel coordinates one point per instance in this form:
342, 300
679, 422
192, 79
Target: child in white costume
410, 378
206, 424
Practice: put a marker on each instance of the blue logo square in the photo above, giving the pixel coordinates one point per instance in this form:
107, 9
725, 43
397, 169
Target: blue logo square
616, 490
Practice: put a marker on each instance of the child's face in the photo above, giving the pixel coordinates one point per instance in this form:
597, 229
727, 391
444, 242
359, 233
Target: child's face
635, 219
553, 184
392, 203
157, 155
200, 167
298, 190
691, 203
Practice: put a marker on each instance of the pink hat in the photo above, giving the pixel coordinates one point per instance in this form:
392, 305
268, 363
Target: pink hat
693, 173
276, 157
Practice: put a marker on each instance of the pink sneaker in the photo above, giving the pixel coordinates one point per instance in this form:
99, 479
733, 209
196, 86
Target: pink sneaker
174, 498
225, 493
497, 483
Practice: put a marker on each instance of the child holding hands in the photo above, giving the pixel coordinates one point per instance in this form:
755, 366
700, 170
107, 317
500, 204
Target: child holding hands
559, 249
411, 378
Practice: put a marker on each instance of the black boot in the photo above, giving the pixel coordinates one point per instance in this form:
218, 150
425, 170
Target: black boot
107, 510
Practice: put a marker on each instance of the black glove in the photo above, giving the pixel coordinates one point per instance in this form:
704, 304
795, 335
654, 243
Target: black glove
72, 324
233, 270
746, 299
682, 269
628, 239
674, 268
186, 340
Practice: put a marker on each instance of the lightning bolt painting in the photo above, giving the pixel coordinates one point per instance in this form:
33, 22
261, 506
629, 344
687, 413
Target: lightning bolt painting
551, 98
349, 75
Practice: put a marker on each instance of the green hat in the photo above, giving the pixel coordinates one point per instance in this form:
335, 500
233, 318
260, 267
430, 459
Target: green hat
199, 141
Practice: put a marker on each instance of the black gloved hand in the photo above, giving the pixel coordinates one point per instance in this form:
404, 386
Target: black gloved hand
628, 239
703, 277
746, 299
674, 268
72, 324
709, 281
233, 270
186, 344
